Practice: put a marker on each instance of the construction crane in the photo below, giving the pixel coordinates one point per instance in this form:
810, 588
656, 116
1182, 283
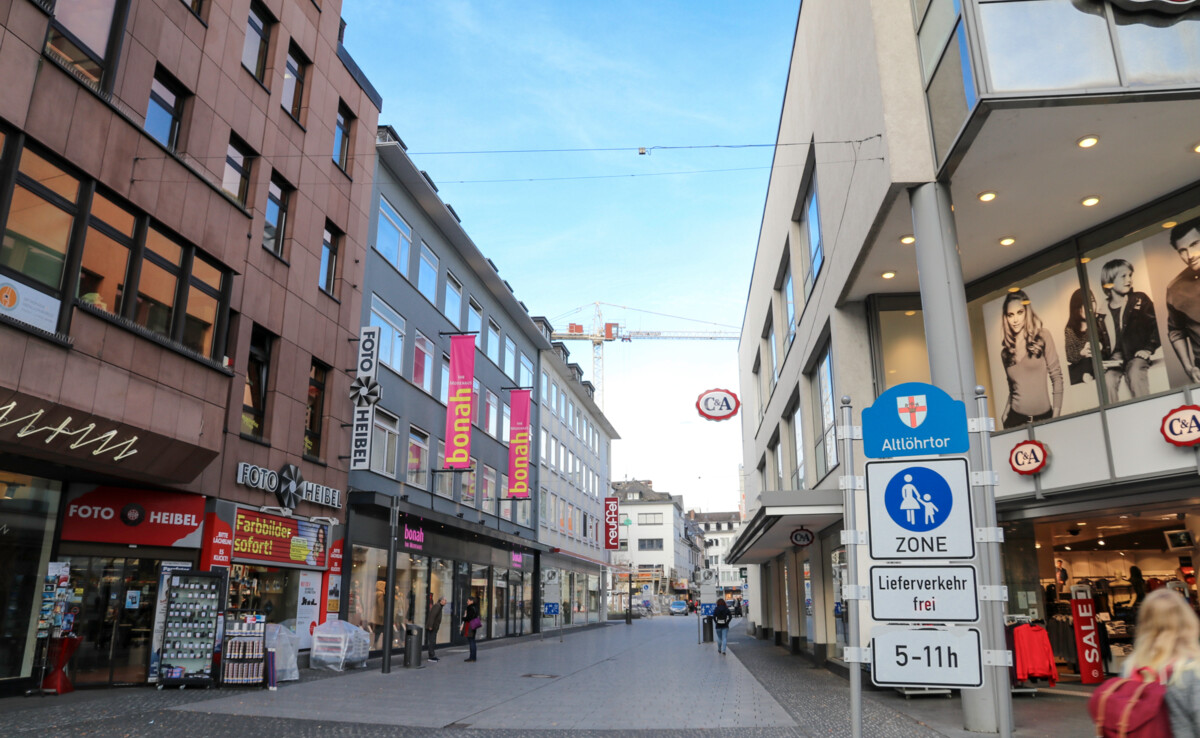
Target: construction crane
602, 333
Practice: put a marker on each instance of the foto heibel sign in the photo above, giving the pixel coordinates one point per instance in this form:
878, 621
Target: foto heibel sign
612, 534
364, 393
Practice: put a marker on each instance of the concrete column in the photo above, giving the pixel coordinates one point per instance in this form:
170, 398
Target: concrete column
795, 588
952, 367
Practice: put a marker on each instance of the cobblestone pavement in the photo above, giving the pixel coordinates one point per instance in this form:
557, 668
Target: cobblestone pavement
652, 677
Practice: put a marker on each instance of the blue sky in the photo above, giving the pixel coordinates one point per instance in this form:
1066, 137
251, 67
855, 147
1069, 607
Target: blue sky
459, 75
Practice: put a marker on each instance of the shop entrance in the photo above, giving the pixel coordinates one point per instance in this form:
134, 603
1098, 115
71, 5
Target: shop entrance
116, 603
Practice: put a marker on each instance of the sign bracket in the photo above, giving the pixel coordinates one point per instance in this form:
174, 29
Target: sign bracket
989, 535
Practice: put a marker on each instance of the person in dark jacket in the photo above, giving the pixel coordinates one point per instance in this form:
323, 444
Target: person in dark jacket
1135, 327
470, 615
432, 624
721, 618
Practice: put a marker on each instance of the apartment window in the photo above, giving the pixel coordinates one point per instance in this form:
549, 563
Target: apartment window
85, 35
106, 250
825, 448
468, 485
331, 240
236, 180
427, 274
788, 301
38, 232
510, 358
491, 414
475, 321
769, 337
391, 334
493, 343
543, 507
341, 137
279, 193
796, 429
650, 544
293, 81
444, 485
393, 236
193, 5
571, 519
489, 489
452, 300
553, 452
562, 512
524, 507
444, 387
418, 459
545, 446
650, 519
254, 50
164, 111
545, 388
506, 423
623, 544
422, 373
812, 229
254, 396
385, 443
571, 415
526, 378
777, 454
315, 409
553, 397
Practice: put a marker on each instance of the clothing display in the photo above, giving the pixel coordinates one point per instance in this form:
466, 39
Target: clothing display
1033, 658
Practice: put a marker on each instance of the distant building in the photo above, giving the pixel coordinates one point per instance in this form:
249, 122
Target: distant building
655, 542
720, 530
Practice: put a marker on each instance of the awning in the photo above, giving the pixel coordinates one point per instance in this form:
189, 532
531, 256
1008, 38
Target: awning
768, 533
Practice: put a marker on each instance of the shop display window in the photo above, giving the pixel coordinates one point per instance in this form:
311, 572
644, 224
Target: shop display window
270, 590
28, 507
368, 588
441, 584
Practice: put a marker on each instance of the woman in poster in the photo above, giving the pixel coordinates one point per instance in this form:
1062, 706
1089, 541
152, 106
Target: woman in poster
1078, 343
1035, 382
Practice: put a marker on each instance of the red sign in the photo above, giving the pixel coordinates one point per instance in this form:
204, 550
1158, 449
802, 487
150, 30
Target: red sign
274, 539
332, 582
1181, 426
1087, 641
142, 517
612, 534
518, 447
717, 404
460, 402
1028, 457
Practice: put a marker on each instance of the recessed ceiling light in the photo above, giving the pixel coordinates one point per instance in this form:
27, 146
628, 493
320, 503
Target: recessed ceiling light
1085, 259
888, 275
987, 196
1067, 547
1197, 148
1007, 241
1081, 524
1170, 224
1087, 142
906, 240
1087, 202
1037, 545
1014, 289
1123, 516
910, 313
1101, 542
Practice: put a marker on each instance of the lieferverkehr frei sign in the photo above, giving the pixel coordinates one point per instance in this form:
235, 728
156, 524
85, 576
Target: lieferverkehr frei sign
914, 419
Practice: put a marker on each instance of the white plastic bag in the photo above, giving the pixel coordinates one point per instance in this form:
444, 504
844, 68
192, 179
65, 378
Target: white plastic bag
283, 638
337, 644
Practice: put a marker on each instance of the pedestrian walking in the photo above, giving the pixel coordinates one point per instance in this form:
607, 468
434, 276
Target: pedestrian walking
470, 624
721, 619
737, 608
433, 623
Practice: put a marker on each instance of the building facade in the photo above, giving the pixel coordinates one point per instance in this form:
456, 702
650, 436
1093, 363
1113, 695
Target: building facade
177, 278
657, 545
720, 530
977, 202
575, 444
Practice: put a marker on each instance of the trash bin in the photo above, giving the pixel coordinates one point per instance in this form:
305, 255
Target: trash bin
412, 646
708, 629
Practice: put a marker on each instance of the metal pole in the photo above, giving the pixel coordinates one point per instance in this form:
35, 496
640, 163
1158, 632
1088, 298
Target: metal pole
850, 522
629, 605
389, 600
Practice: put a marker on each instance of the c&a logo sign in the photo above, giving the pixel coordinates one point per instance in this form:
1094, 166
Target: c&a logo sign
1181, 426
1162, 6
1028, 457
717, 404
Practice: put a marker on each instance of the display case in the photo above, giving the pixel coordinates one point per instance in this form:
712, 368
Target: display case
190, 629
243, 655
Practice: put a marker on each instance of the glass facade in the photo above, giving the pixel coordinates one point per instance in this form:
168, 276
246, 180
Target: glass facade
28, 508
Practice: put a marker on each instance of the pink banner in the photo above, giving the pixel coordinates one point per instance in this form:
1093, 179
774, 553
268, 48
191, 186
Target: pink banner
460, 407
518, 447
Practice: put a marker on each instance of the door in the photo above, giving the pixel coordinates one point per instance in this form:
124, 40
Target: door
115, 619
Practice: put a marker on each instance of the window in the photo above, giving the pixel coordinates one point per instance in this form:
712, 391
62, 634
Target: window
787, 300
553, 452
315, 410
825, 448
254, 49
526, 378
293, 81
385, 442
445, 482
475, 321
427, 274
393, 236
543, 507
812, 228
417, 474
545, 388
493, 343
341, 137
545, 445
623, 544
796, 429
650, 544
506, 423
38, 232
489, 489
84, 37
331, 240
237, 170
452, 301
650, 519
391, 335
278, 195
475, 406
562, 512
110, 235
203, 307
571, 519
422, 373
158, 284
444, 388
510, 358
254, 396
769, 337
165, 109
491, 414
193, 5
468, 484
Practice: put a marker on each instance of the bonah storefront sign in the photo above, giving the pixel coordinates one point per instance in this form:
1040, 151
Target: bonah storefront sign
460, 405
518, 448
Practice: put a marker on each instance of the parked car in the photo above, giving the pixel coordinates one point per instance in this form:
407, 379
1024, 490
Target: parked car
679, 607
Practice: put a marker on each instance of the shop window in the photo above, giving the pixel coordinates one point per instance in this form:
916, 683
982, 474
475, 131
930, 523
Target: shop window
951, 93
258, 35
279, 195
444, 485
491, 413
393, 236
254, 396
236, 180
825, 450
1047, 45
452, 301
294, 72
904, 354
493, 343
385, 443
391, 333
418, 459
489, 489
422, 374
85, 35
164, 110
331, 240
468, 484
342, 128
475, 321
28, 507
38, 232
315, 409
427, 274
1160, 53
110, 236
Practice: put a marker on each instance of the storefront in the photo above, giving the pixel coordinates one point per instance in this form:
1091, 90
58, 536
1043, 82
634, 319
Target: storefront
578, 581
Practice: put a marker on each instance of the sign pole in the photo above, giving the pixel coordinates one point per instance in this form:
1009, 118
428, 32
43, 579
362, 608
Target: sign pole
850, 586
389, 606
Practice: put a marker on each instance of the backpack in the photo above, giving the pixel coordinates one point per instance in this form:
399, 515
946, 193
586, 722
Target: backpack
1131, 707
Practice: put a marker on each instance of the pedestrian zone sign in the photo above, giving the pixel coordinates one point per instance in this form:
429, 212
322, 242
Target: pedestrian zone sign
708, 608
551, 608
919, 510
914, 419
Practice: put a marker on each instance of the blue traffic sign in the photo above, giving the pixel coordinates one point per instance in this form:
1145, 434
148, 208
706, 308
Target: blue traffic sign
918, 499
914, 419
551, 608
707, 608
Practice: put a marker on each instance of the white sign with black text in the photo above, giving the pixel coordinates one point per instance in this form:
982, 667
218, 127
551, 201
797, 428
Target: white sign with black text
365, 394
926, 657
924, 594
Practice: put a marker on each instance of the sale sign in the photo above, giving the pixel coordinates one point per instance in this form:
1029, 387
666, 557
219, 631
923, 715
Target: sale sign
142, 517
518, 447
460, 402
1087, 640
273, 539
612, 533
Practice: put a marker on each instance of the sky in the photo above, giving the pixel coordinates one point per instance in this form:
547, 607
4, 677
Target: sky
669, 235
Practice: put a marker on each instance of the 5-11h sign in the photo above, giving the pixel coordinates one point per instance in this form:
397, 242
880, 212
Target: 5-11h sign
926, 657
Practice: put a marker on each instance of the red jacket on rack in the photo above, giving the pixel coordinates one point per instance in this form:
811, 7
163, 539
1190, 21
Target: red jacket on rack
1032, 655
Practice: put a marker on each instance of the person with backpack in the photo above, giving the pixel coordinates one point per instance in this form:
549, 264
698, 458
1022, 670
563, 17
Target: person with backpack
721, 619
1159, 694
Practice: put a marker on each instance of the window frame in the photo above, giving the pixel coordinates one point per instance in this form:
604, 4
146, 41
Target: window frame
266, 21
318, 378
164, 79
419, 439
331, 246
825, 446
390, 430
343, 131
105, 60
244, 169
422, 263
279, 196
296, 63
815, 253
453, 286
423, 347
399, 333
261, 355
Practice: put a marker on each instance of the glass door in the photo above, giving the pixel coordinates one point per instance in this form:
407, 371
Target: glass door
115, 618
499, 602
516, 603
478, 589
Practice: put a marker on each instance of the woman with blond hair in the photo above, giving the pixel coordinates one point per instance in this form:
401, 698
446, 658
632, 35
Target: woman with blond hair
1035, 381
1168, 643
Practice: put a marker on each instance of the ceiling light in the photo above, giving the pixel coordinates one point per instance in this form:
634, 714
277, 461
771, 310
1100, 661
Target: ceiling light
1081, 523
906, 240
987, 196
1085, 259
1123, 517
1014, 289
1101, 542
1121, 552
1037, 545
1170, 224
1067, 548
910, 313
888, 275
1197, 148
1087, 202
1007, 241
1087, 142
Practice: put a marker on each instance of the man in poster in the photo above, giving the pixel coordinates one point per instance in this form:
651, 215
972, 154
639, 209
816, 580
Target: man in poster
1136, 329
1183, 298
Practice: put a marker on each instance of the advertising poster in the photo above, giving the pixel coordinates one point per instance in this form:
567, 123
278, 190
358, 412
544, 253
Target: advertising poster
460, 405
308, 606
160, 614
278, 540
518, 448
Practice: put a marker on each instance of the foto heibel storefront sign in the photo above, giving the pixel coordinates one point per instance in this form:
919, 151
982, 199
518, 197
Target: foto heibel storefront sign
133, 516
273, 539
365, 394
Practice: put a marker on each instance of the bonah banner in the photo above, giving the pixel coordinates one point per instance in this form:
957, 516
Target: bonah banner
460, 403
518, 447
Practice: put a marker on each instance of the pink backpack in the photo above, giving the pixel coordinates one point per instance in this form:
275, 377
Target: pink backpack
1131, 707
